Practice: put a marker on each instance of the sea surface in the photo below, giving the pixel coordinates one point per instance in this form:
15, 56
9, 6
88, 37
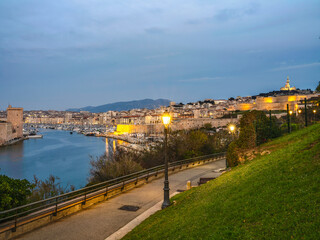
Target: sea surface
59, 153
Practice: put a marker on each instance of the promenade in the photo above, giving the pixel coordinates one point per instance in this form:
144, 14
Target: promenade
102, 220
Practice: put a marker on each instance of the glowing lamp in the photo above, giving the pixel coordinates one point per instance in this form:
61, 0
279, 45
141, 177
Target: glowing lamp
166, 119
290, 112
232, 128
314, 111
299, 111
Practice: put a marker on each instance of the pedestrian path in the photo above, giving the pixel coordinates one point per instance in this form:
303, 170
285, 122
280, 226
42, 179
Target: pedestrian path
104, 219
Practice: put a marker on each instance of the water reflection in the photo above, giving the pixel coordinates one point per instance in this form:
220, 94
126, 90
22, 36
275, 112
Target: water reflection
11, 160
107, 147
112, 146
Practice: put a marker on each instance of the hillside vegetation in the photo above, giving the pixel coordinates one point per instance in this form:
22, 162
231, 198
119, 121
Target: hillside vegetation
275, 196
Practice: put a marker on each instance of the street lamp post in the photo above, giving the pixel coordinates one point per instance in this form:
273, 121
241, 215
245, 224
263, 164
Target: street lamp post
270, 121
288, 118
232, 129
166, 118
305, 112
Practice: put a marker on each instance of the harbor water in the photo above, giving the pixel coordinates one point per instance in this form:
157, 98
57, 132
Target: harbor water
58, 153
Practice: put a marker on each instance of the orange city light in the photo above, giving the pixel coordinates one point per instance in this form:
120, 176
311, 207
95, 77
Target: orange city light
314, 111
290, 112
299, 111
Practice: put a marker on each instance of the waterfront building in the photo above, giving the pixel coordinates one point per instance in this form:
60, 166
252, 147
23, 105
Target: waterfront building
5, 132
15, 117
67, 117
12, 128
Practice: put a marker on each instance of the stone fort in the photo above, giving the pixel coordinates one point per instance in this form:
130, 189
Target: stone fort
11, 128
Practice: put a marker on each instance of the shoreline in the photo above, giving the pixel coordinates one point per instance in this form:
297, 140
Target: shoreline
13, 141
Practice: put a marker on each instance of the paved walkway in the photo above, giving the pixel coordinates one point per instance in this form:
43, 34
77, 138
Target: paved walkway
103, 219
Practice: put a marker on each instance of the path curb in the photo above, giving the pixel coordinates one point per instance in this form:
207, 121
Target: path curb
135, 222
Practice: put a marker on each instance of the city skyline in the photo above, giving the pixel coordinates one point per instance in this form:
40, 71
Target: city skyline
59, 55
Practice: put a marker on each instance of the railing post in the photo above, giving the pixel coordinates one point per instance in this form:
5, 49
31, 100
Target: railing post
56, 210
107, 188
14, 229
85, 197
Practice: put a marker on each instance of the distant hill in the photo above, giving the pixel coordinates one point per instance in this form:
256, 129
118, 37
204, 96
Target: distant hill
124, 106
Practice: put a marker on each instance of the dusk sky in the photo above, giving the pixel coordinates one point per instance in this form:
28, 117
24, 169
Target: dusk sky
74, 53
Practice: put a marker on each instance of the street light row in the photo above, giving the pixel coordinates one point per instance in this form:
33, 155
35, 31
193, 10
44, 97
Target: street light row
300, 111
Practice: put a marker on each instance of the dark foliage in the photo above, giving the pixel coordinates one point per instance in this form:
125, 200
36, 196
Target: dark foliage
181, 145
13, 192
105, 168
255, 128
47, 188
318, 87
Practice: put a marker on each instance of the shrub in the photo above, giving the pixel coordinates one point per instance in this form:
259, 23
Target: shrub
233, 155
47, 188
13, 192
105, 168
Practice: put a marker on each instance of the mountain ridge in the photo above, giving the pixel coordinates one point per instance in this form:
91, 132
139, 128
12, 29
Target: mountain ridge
124, 105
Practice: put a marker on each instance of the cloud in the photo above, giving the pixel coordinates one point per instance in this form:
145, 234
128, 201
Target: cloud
296, 66
171, 54
201, 79
227, 14
233, 13
154, 30
194, 21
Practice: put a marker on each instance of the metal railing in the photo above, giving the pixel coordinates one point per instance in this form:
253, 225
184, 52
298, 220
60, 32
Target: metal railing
52, 205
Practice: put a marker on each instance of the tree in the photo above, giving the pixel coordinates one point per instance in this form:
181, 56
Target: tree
255, 129
207, 126
47, 188
232, 155
13, 192
105, 168
188, 144
318, 87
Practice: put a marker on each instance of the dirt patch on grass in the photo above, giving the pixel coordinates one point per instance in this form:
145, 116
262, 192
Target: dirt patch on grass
311, 145
253, 153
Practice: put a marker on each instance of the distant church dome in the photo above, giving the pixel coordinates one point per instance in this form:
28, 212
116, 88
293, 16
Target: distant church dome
287, 86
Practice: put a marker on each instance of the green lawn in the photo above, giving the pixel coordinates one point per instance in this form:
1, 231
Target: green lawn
275, 196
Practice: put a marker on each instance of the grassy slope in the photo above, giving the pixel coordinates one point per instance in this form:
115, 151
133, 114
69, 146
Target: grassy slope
275, 196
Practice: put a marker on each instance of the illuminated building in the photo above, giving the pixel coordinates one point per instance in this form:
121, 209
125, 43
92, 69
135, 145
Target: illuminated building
287, 86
